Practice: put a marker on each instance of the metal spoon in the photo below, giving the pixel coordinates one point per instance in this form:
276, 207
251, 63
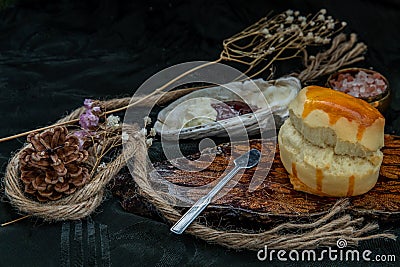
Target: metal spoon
245, 161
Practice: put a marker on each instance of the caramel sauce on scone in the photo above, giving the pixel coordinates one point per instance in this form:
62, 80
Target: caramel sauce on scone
320, 176
337, 104
350, 190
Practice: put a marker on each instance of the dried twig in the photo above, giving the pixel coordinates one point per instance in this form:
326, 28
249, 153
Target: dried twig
342, 52
16, 220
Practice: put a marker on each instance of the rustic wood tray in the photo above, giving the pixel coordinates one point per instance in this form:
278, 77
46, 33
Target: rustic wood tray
276, 200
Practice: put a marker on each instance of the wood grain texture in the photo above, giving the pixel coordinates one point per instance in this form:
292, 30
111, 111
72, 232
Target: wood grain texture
276, 195
275, 200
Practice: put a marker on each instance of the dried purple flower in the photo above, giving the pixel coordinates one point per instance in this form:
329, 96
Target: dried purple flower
96, 109
88, 103
88, 120
82, 135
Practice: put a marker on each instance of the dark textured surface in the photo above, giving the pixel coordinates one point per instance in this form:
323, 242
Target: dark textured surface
53, 54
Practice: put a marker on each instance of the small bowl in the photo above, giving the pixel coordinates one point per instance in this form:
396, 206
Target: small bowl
380, 101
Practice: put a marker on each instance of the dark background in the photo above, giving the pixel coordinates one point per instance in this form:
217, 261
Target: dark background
54, 54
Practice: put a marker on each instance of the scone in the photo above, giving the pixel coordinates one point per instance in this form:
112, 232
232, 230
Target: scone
330, 145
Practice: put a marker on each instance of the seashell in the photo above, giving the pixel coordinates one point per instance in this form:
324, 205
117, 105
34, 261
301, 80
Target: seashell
193, 115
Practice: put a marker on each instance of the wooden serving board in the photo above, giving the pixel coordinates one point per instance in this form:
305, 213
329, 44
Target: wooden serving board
275, 200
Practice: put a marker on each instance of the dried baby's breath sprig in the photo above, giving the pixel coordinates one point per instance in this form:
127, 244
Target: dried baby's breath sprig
143, 131
280, 37
112, 121
125, 136
101, 166
149, 135
149, 142
147, 121
152, 132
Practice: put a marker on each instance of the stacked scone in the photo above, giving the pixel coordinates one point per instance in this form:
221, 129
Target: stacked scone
331, 143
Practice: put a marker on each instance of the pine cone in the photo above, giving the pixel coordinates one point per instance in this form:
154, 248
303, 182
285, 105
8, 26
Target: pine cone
52, 166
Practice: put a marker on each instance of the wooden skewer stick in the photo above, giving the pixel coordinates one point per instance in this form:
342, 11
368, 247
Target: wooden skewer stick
16, 220
36, 130
158, 90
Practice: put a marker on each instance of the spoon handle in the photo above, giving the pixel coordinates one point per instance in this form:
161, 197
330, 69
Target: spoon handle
181, 225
